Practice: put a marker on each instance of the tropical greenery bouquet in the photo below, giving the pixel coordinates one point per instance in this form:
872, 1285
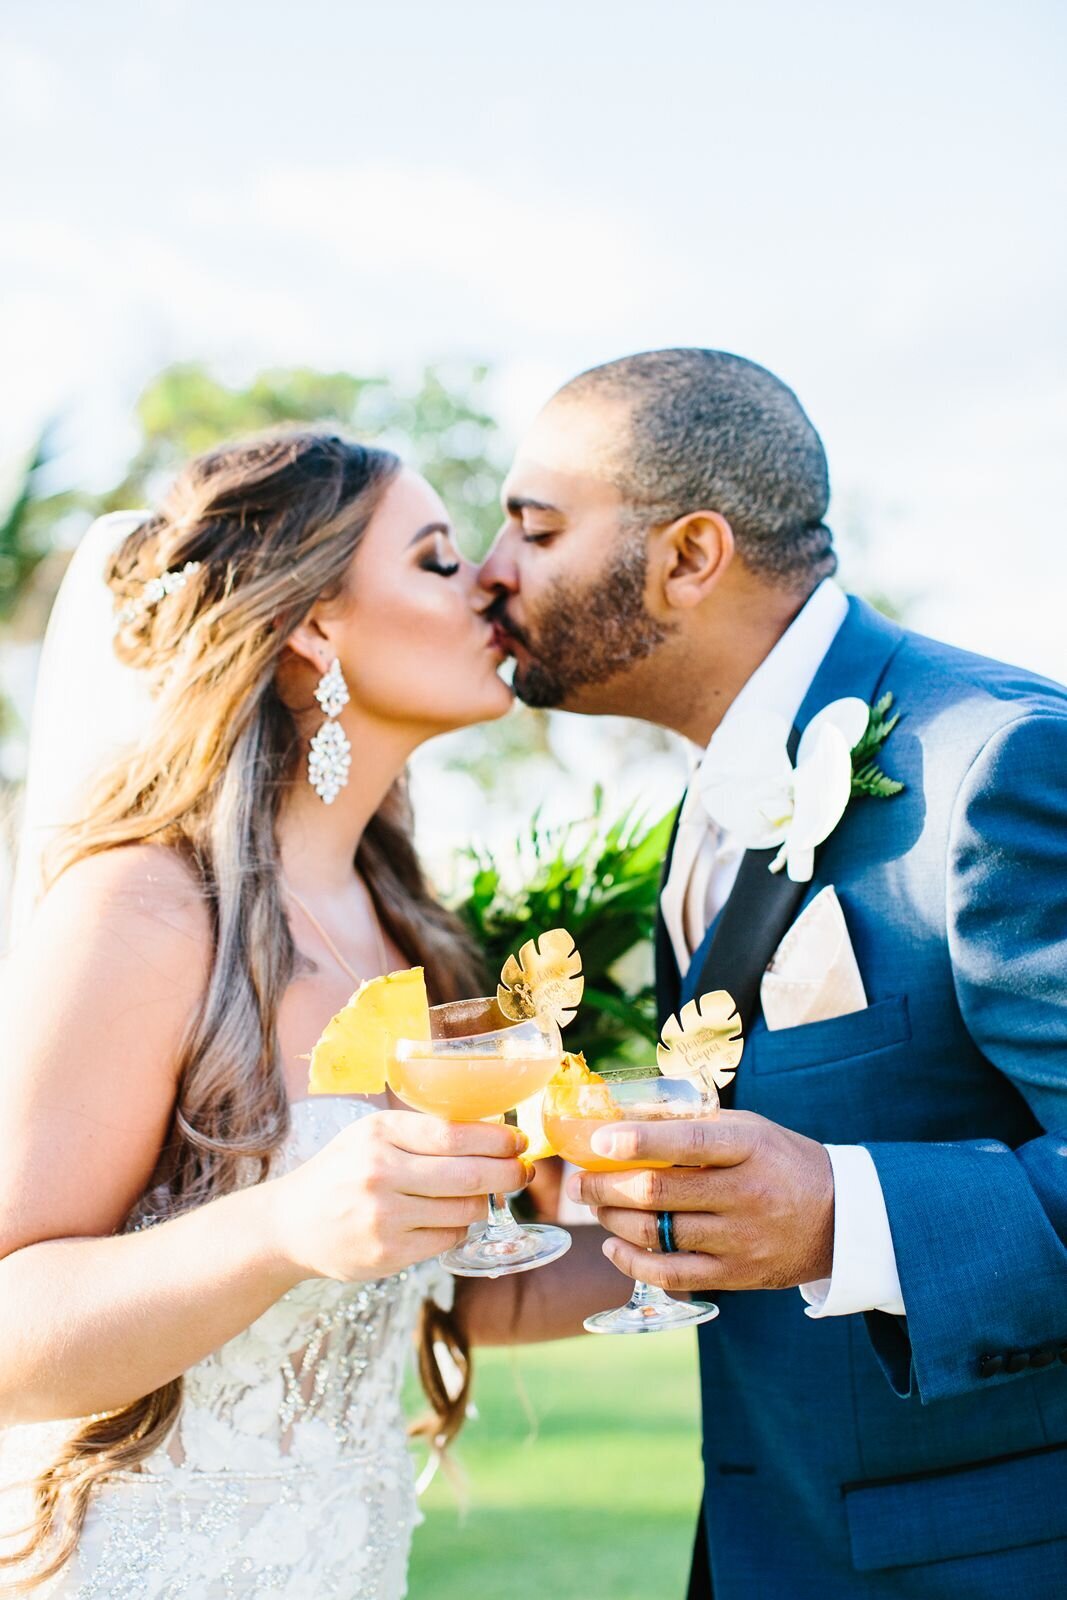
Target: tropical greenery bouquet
600, 881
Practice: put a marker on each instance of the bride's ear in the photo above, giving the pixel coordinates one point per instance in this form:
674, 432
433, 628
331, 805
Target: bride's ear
309, 642
309, 654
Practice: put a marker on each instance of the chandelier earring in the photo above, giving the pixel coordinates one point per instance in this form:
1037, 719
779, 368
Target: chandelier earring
330, 755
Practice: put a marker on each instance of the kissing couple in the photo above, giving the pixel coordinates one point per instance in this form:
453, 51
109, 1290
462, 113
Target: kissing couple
209, 1282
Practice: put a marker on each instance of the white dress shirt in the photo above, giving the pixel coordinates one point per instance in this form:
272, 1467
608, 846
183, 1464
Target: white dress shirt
703, 869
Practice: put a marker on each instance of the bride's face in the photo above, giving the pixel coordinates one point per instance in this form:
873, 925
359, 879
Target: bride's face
414, 647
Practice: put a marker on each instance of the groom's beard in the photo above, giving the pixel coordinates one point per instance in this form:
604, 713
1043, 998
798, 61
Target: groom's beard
579, 639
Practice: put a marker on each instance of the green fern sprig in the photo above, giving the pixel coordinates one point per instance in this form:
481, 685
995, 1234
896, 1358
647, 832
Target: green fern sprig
867, 776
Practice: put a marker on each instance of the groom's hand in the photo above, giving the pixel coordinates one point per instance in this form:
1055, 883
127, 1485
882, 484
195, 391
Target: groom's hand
753, 1203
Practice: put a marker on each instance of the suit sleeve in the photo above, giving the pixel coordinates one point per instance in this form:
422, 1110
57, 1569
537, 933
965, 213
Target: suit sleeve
979, 1229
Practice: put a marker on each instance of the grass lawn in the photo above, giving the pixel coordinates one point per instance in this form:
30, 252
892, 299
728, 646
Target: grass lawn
594, 1497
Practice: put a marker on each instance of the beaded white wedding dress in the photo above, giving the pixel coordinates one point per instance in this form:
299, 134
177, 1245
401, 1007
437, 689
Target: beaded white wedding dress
288, 1471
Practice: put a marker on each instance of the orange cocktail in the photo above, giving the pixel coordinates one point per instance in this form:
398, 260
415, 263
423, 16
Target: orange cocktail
571, 1134
470, 1088
573, 1111
477, 1064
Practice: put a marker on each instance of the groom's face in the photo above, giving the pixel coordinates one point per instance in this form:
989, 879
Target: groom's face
569, 569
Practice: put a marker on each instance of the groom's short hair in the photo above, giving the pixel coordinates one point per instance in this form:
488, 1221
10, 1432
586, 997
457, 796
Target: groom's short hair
712, 431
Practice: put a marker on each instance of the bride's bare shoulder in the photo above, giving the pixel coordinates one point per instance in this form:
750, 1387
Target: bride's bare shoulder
98, 997
126, 931
143, 885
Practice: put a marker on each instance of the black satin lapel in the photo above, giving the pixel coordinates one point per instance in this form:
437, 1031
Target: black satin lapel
758, 910
668, 981
751, 926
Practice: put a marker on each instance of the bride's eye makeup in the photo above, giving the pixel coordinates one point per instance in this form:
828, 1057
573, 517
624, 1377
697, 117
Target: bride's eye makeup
438, 557
436, 561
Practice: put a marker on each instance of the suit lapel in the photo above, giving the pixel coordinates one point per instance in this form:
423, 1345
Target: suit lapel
856, 662
763, 904
668, 981
746, 933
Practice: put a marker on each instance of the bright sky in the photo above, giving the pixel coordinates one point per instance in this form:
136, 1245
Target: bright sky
868, 199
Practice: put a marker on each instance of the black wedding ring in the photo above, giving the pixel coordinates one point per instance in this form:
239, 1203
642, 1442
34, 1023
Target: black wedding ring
665, 1229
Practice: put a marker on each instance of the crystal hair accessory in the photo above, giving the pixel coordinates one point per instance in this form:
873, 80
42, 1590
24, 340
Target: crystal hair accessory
157, 589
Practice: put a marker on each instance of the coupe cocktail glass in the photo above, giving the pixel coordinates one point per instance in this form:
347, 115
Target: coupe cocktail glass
572, 1115
477, 1065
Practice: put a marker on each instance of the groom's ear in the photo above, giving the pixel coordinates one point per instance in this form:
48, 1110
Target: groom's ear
691, 554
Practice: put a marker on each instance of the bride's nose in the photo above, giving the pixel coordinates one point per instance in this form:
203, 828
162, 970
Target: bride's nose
467, 576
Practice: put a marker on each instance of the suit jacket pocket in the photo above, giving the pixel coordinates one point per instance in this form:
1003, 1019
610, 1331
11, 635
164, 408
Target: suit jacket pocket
816, 1044
975, 1510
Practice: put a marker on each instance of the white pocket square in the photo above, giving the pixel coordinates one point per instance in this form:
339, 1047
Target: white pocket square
813, 975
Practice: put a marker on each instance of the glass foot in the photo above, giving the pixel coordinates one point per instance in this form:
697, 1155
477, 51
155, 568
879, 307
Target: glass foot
491, 1252
652, 1315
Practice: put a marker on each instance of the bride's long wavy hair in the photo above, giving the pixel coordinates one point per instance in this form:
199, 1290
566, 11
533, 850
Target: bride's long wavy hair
273, 522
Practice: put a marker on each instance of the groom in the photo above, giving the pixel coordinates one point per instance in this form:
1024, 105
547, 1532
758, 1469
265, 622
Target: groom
896, 1139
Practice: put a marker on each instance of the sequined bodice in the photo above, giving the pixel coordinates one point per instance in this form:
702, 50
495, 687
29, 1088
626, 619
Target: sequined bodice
288, 1470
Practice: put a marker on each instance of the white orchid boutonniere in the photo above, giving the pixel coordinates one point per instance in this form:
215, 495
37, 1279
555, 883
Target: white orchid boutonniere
751, 788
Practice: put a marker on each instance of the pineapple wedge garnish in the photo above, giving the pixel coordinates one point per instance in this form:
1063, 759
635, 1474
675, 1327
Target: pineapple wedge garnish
576, 1074
352, 1056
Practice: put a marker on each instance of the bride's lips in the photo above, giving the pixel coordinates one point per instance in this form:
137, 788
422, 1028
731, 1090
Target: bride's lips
495, 642
503, 641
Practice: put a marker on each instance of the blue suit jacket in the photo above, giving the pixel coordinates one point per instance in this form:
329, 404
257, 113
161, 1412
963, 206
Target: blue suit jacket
925, 1455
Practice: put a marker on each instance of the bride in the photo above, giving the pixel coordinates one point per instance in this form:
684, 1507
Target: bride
217, 1278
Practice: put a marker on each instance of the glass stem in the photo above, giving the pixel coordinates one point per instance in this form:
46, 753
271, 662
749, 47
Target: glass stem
502, 1224
647, 1294
501, 1221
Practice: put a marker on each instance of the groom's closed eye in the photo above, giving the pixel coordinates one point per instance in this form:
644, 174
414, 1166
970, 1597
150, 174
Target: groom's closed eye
537, 520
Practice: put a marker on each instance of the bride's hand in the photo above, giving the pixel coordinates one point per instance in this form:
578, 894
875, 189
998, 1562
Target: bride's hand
393, 1189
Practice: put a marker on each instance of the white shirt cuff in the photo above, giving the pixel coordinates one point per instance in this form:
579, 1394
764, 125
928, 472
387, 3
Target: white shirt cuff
864, 1274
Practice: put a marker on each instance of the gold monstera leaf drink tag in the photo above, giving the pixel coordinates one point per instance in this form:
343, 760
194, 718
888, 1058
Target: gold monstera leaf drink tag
704, 1042
544, 980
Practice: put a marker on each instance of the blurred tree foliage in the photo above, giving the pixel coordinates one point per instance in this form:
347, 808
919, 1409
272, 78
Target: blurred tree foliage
31, 515
440, 426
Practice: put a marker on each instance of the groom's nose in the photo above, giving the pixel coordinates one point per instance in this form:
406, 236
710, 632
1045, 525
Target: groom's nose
499, 572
